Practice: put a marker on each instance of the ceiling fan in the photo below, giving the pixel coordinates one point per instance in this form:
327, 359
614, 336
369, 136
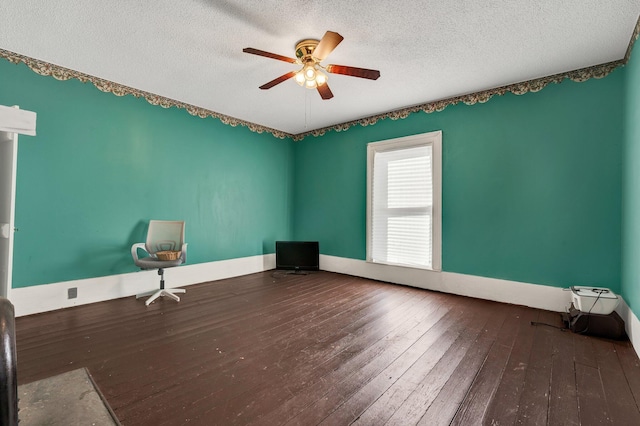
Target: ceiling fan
309, 54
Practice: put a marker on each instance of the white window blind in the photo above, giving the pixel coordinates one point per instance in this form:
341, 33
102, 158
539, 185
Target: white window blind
402, 201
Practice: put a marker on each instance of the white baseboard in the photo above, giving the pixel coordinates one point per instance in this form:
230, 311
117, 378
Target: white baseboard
631, 324
532, 295
49, 297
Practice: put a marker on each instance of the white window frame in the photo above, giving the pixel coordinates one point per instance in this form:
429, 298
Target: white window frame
435, 140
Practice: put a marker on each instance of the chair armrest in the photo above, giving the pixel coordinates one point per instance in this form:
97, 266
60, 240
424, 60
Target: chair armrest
134, 250
184, 253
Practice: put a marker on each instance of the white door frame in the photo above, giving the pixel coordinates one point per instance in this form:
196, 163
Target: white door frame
8, 152
12, 121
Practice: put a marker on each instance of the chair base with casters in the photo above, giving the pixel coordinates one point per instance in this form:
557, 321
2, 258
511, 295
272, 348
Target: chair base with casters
155, 294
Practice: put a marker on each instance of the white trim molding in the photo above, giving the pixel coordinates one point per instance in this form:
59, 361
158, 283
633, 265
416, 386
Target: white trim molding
49, 297
378, 184
631, 323
16, 120
518, 293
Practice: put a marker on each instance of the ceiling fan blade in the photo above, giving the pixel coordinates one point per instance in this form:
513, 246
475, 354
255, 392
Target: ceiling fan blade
325, 92
268, 54
278, 80
353, 71
329, 42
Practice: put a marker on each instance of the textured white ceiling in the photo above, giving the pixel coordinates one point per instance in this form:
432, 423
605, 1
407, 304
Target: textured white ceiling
191, 50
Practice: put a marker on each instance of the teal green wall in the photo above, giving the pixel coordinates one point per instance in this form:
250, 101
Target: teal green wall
531, 185
631, 187
102, 166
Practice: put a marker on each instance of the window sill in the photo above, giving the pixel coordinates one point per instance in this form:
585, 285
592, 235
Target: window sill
400, 265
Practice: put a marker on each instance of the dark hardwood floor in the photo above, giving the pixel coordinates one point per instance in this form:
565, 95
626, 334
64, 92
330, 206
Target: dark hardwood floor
274, 349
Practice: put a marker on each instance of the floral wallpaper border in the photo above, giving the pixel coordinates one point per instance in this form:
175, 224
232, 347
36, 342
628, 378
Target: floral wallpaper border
61, 73
598, 71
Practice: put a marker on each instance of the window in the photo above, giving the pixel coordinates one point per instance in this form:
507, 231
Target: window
403, 201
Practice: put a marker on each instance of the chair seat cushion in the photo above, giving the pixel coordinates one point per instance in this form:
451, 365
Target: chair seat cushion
150, 263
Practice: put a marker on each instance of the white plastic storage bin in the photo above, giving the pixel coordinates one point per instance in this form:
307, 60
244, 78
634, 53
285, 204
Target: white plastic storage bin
593, 300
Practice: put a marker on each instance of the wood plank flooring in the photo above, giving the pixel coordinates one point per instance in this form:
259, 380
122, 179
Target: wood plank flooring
330, 349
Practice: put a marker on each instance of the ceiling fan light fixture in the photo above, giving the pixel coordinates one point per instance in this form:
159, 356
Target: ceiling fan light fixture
309, 72
321, 78
310, 53
310, 77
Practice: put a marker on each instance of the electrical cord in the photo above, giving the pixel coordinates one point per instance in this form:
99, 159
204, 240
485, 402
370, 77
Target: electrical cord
279, 273
599, 292
549, 325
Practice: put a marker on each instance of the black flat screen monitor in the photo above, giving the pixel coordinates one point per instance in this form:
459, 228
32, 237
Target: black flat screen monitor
298, 255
